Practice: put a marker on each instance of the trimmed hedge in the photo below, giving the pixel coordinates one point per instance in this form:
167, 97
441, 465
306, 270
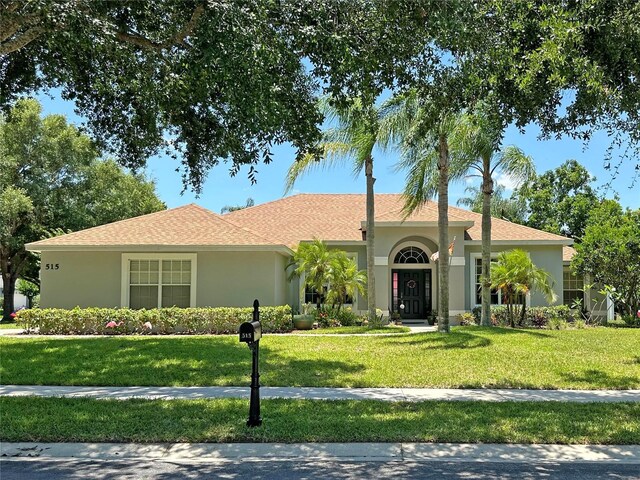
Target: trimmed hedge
535, 317
187, 321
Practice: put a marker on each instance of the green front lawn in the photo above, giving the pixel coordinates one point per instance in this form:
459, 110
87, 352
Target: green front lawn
352, 330
9, 325
602, 358
223, 420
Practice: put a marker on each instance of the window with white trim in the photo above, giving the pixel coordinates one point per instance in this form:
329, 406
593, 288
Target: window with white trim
496, 294
159, 282
411, 255
572, 287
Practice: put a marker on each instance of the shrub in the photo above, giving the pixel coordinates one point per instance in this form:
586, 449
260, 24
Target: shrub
105, 321
346, 317
467, 319
624, 322
631, 321
535, 317
580, 324
556, 323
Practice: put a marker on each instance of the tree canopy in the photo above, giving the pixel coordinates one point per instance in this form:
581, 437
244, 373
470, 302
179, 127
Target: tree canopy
225, 80
207, 81
610, 253
52, 181
559, 200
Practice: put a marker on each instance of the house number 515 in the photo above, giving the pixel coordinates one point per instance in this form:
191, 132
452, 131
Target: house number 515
52, 266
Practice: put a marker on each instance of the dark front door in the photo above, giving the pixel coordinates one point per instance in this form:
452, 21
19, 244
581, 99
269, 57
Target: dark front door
411, 293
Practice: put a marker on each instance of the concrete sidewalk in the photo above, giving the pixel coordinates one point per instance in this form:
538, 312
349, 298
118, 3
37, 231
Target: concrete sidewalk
372, 452
413, 329
317, 393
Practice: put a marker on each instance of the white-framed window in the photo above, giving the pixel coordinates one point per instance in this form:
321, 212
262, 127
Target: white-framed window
496, 295
158, 280
476, 286
572, 287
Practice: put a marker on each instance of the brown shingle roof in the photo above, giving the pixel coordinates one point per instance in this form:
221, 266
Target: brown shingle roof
568, 253
286, 221
338, 217
187, 225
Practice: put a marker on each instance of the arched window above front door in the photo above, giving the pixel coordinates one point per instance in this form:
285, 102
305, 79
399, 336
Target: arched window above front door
411, 255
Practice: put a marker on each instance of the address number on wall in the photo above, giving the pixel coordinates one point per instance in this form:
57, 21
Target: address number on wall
52, 266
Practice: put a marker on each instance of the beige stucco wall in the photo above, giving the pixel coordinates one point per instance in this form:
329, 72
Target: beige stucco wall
228, 278
84, 279
548, 257
235, 279
231, 279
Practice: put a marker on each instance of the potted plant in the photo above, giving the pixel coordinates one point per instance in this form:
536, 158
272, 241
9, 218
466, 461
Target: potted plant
305, 320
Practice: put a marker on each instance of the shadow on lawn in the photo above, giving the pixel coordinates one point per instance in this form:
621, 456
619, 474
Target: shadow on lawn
454, 340
319, 421
121, 361
598, 379
467, 338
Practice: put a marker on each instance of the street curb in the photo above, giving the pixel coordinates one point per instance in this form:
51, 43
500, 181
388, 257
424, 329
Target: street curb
365, 452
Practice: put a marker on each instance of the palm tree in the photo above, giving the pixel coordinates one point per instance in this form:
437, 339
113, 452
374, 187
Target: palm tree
516, 275
357, 132
345, 280
478, 138
313, 260
510, 209
424, 139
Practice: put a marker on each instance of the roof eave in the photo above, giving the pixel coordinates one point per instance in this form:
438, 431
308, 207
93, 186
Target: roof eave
409, 223
34, 247
560, 241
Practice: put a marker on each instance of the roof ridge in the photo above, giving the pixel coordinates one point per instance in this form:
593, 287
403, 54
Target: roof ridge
510, 222
125, 220
528, 227
241, 227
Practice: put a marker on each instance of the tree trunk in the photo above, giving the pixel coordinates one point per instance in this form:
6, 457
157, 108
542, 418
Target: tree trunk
371, 281
522, 311
443, 234
485, 279
8, 289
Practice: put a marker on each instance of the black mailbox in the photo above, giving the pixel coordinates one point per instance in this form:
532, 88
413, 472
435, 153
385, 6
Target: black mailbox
250, 332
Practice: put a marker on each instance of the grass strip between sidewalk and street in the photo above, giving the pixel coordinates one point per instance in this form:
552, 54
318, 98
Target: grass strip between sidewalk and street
33, 419
468, 357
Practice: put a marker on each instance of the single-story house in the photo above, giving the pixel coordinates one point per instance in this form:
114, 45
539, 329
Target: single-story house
190, 256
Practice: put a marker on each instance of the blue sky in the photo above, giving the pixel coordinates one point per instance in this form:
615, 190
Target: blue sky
220, 189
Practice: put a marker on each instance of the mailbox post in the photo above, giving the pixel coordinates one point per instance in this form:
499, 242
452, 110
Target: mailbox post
250, 333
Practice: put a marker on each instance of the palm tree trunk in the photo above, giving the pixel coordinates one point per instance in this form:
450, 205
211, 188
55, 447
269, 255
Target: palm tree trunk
487, 190
443, 234
371, 281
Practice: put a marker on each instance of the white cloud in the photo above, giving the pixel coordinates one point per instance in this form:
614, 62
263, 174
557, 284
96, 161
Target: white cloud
507, 181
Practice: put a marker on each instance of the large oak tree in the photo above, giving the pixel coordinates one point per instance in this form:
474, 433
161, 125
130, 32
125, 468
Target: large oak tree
52, 181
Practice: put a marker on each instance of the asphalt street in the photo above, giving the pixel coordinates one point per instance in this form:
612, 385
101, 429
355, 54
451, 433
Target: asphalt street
55, 469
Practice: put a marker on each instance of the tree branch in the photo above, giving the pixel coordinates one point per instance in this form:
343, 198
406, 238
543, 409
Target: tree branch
179, 37
11, 22
21, 40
